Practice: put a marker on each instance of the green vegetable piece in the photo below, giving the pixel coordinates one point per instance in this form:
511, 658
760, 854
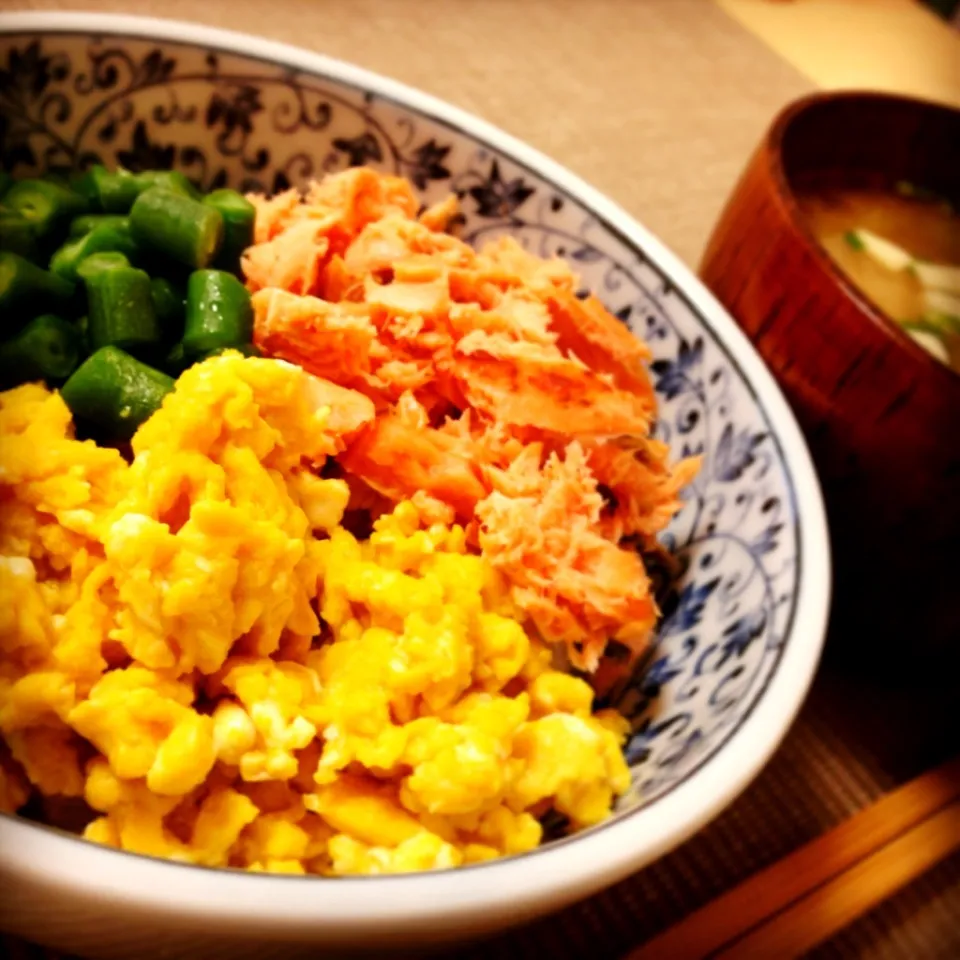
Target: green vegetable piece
238, 218
113, 393
121, 311
27, 290
168, 304
946, 324
6, 180
115, 191
172, 180
853, 240
47, 348
80, 226
219, 313
47, 206
83, 331
112, 192
101, 239
182, 229
98, 262
921, 324
86, 185
17, 234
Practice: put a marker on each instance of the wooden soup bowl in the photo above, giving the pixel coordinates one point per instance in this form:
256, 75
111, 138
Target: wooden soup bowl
881, 416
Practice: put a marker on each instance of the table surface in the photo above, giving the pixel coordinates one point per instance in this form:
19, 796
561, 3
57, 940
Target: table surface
899, 46
658, 103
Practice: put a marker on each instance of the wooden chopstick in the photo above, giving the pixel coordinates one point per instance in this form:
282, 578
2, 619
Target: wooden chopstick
839, 902
827, 883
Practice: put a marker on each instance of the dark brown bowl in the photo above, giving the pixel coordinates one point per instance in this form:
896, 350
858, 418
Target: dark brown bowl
881, 416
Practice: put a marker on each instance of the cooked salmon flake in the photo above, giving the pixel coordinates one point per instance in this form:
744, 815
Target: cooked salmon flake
500, 394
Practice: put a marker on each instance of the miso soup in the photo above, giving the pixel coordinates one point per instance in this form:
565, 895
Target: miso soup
902, 250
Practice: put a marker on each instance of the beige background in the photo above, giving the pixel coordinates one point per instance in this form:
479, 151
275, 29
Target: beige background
896, 45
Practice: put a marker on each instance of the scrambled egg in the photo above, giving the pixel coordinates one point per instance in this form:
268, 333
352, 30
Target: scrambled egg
193, 644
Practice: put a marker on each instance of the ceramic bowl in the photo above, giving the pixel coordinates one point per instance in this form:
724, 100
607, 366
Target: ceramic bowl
881, 415
745, 621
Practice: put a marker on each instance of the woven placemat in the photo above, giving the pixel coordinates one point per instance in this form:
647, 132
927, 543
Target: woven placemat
658, 103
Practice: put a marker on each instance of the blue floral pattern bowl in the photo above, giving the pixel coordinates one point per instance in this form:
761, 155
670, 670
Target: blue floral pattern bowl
745, 615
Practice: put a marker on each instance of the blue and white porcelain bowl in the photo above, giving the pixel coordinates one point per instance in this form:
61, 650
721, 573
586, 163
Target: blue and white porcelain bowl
737, 649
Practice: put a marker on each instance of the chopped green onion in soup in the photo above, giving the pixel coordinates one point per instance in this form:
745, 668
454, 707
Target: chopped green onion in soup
901, 248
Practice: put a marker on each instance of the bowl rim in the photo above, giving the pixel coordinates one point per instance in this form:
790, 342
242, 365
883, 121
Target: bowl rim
516, 886
788, 197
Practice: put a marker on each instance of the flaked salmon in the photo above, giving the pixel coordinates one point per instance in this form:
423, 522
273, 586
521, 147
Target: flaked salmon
480, 382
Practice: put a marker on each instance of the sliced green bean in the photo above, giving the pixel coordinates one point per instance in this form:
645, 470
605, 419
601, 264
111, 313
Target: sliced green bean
85, 183
83, 332
47, 206
172, 180
936, 322
114, 191
238, 219
101, 239
168, 304
26, 290
121, 311
17, 234
99, 262
47, 348
177, 227
219, 313
113, 393
111, 191
83, 225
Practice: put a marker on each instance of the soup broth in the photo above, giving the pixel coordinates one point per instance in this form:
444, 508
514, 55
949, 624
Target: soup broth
857, 227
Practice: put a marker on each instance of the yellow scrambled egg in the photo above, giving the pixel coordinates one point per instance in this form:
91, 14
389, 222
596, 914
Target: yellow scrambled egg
193, 644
